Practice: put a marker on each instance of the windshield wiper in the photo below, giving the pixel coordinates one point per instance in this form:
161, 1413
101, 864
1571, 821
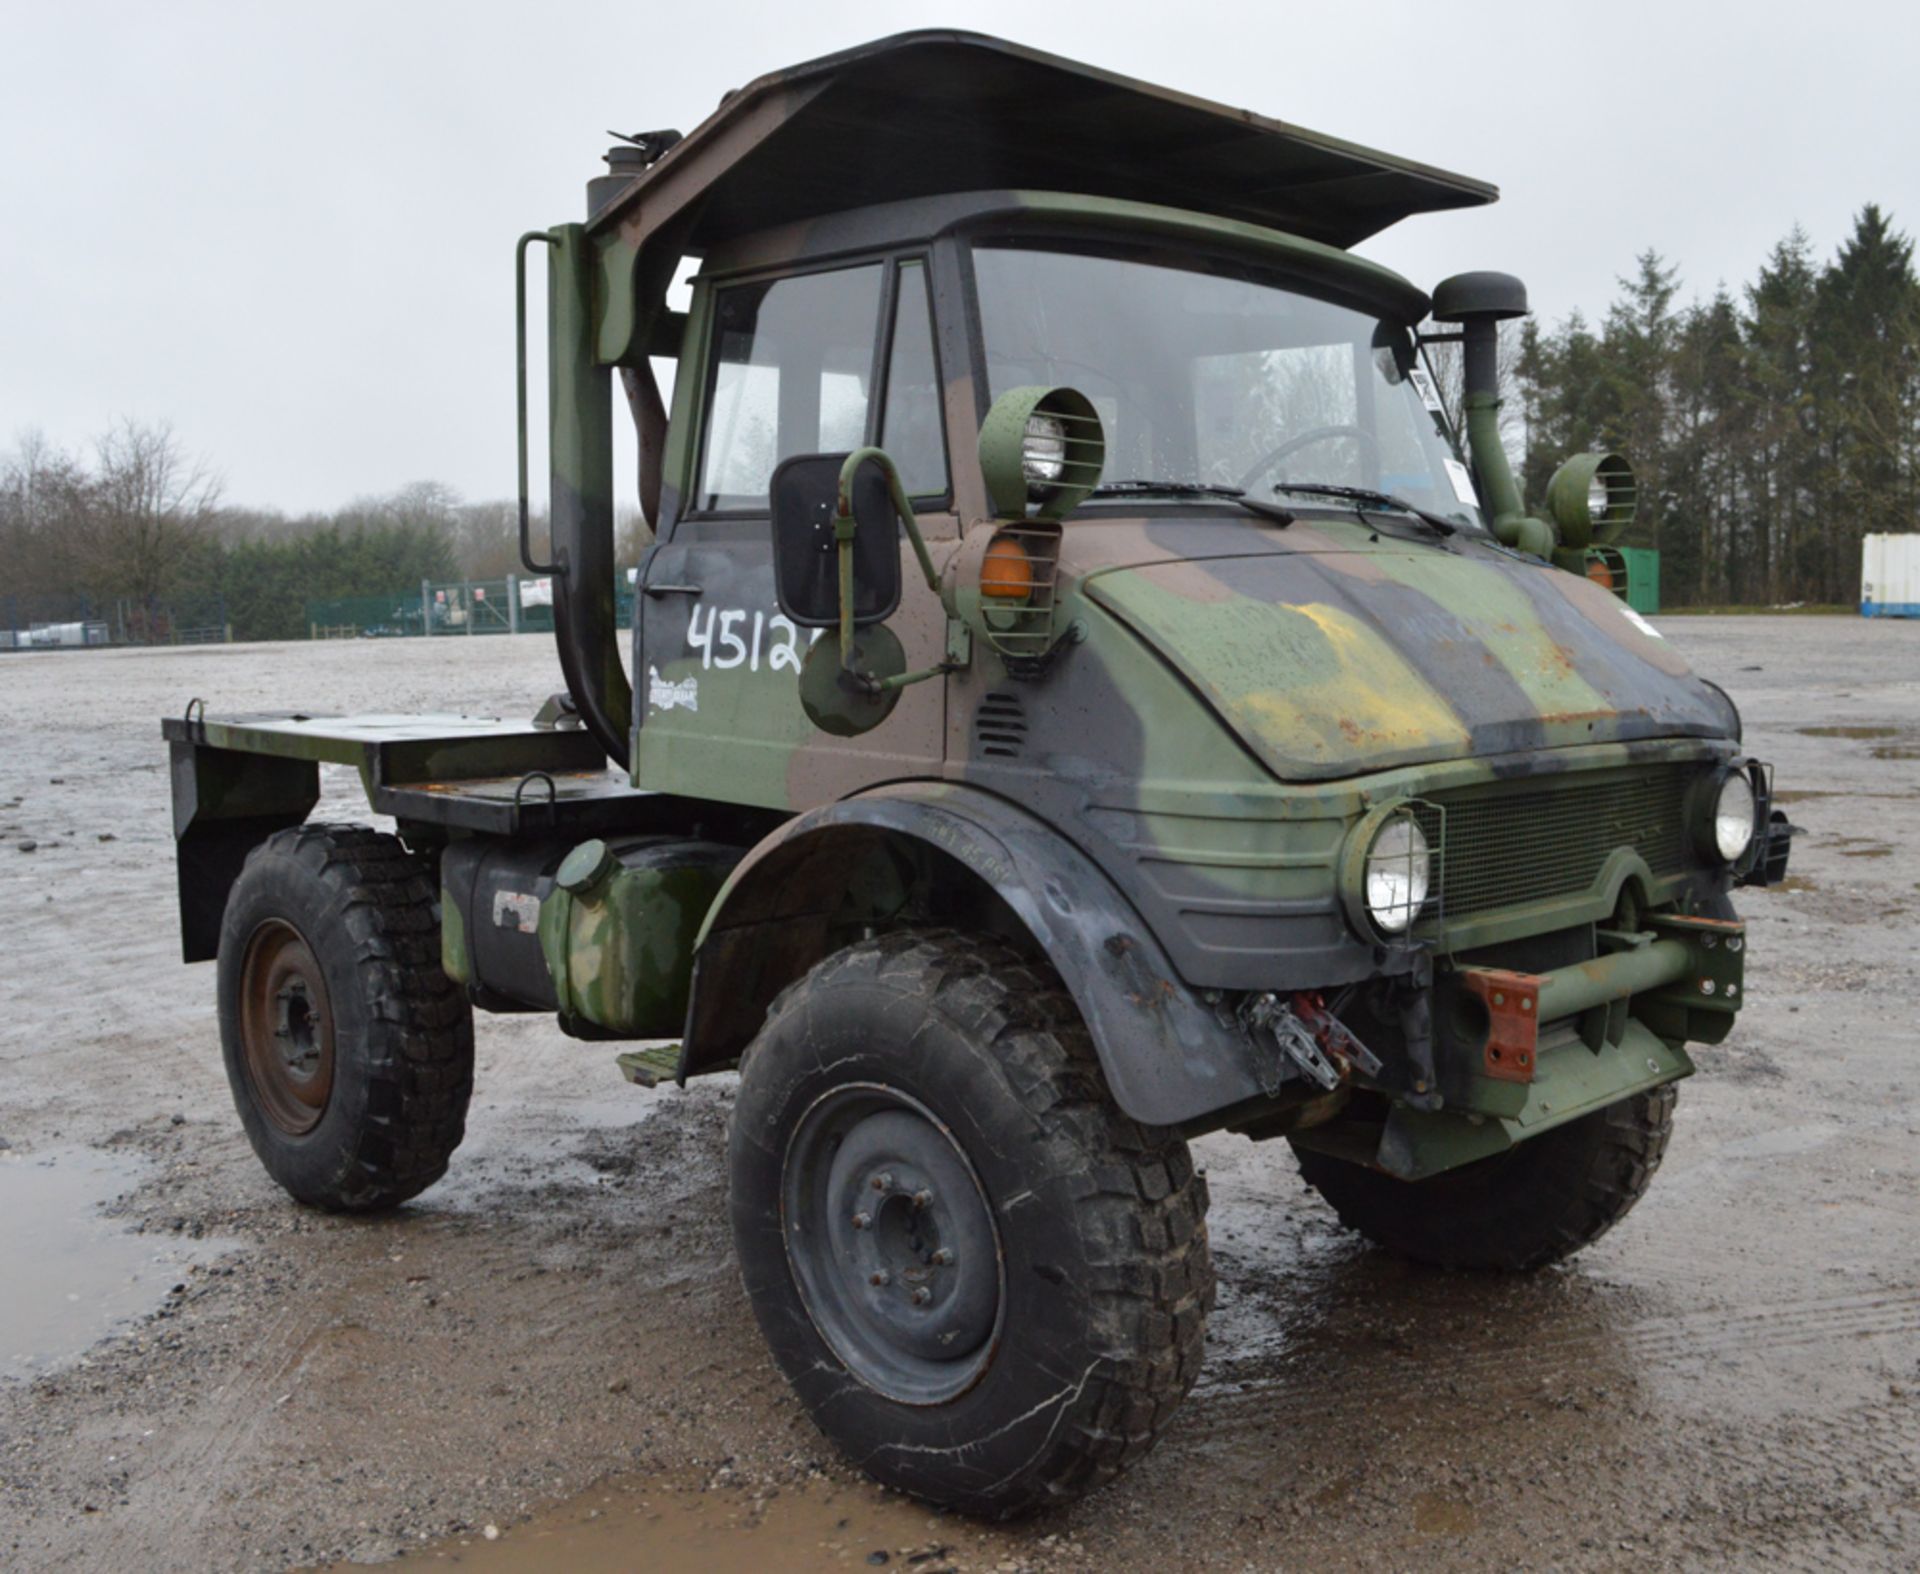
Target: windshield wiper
1232, 494
1363, 494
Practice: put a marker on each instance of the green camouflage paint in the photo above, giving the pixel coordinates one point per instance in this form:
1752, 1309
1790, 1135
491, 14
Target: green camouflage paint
1229, 697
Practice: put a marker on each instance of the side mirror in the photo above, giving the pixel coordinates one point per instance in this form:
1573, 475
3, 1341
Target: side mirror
805, 494
836, 563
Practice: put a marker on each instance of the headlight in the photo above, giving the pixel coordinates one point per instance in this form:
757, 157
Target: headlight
1733, 816
1398, 870
1591, 498
1043, 455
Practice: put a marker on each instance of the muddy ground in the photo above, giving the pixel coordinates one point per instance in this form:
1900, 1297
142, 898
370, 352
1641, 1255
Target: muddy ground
196, 1374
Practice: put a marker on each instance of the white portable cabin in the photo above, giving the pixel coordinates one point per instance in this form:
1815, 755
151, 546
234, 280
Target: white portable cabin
1890, 576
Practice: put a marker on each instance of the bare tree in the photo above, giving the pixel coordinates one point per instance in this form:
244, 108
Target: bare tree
43, 495
149, 506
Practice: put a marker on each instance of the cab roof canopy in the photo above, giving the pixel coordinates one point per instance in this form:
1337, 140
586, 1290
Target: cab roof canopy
925, 113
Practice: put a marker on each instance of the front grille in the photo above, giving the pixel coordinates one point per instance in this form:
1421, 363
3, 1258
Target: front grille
1543, 840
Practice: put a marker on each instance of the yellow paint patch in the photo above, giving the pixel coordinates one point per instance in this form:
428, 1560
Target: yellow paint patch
1365, 698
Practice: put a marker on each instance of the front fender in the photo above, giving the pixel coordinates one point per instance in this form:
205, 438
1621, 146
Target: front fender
1169, 1059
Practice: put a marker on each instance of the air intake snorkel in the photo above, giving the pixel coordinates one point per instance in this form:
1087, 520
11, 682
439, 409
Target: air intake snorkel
1480, 302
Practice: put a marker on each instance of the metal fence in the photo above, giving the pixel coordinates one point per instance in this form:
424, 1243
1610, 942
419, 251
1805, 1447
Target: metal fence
460, 607
74, 622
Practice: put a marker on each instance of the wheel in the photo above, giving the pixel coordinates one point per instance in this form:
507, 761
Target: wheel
988, 1286
1532, 1205
349, 1051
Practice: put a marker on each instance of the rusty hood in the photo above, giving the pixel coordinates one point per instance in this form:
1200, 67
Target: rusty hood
1336, 663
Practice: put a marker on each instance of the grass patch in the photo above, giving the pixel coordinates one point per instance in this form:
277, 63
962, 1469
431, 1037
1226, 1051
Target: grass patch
1799, 609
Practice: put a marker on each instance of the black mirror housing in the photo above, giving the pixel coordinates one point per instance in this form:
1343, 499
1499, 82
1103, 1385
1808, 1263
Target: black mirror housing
805, 496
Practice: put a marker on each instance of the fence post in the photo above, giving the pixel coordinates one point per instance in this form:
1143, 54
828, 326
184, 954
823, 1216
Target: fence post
513, 603
466, 586
426, 606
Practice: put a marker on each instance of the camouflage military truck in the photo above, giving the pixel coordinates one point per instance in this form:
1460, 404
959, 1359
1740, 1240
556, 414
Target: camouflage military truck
1083, 695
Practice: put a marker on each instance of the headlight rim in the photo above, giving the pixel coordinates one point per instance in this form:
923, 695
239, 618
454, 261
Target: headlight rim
1356, 853
1706, 812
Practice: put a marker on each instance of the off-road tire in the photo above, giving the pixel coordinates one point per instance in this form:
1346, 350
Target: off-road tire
1101, 1222
402, 1032
1532, 1205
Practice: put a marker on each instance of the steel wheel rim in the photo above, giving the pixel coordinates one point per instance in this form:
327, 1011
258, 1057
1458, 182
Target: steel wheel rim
286, 1028
892, 1244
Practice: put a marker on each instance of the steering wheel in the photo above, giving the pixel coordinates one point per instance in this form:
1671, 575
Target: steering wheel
1370, 449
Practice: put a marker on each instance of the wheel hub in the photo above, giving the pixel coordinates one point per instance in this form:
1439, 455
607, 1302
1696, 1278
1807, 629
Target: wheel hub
286, 1029
893, 1244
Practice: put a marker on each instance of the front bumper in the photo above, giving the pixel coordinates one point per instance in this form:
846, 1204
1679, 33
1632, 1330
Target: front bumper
1518, 1053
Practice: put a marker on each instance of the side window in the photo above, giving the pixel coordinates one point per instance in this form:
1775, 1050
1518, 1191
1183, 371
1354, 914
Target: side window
792, 362
910, 428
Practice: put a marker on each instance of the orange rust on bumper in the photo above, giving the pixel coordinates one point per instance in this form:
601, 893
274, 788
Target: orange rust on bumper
1513, 1019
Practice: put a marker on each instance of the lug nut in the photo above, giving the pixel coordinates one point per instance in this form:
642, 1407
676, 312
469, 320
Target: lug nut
883, 1182
862, 1220
943, 1258
923, 1199
922, 1296
882, 1277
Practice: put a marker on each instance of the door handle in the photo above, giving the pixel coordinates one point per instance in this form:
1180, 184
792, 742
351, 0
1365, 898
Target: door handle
674, 590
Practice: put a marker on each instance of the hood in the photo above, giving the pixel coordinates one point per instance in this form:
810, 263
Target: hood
1337, 663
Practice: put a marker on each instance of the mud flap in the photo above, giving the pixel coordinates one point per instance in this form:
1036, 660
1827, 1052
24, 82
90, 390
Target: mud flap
225, 804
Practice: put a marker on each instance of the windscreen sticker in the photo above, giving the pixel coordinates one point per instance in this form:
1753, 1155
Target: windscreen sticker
1641, 623
1462, 479
1422, 380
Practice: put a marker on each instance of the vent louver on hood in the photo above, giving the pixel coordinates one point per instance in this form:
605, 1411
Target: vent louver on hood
1000, 727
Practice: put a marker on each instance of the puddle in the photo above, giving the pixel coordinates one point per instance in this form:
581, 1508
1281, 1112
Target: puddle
1897, 751
1849, 732
679, 1523
86, 1274
1866, 852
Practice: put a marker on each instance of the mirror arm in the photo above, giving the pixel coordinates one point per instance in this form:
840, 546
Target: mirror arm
902, 505
844, 526
903, 680
843, 533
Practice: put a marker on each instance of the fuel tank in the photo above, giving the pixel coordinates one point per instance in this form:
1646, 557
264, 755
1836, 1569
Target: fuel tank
600, 933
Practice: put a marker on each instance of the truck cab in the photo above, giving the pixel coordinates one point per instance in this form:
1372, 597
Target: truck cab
1083, 693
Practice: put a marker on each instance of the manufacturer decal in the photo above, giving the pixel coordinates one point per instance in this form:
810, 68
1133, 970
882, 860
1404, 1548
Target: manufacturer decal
516, 910
665, 695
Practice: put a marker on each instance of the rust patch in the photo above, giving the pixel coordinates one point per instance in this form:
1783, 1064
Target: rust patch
1512, 1001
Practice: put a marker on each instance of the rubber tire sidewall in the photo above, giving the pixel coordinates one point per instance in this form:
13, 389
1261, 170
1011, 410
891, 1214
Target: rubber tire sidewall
969, 1451
321, 1166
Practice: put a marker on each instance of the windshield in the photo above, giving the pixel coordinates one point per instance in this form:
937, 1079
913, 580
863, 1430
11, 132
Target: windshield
1207, 373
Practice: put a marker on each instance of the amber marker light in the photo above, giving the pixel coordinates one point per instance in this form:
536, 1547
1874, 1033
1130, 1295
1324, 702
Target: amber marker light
1006, 572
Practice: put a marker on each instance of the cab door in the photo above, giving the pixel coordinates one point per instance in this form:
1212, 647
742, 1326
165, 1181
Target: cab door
800, 363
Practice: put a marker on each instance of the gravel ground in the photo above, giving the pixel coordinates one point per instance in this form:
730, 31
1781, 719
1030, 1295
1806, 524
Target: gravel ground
553, 1342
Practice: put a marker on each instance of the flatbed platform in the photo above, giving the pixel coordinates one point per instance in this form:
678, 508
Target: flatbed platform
469, 773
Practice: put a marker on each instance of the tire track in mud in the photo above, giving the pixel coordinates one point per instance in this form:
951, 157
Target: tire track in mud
159, 1523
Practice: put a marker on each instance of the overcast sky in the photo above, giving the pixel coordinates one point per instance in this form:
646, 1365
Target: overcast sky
289, 231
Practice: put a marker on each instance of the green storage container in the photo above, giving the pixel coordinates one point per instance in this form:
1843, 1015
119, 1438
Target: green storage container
1643, 579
